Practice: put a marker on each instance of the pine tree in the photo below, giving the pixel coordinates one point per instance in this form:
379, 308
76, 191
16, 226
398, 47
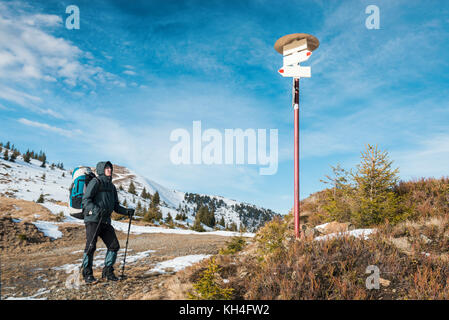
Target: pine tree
232, 227
206, 216
13, 157
27, 157
139, 208
375, 179
155, 200
208, 286
41, 199
197, 225
222, 222
132, 188
338, 199
168, 218
44, 160
6, 155
7, 145
144, 193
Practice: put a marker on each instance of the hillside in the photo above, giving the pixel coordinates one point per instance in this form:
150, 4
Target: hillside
28, 181
335, 260
338, 257
42, 244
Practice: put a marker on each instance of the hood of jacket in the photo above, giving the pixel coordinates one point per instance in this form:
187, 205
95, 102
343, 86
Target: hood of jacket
100, 168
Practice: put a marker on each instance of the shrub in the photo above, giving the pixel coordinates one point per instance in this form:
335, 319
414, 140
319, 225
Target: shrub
41, 199
60, 216
22, 237
271, 237
197, 226
153, 213
235, 245
208, 288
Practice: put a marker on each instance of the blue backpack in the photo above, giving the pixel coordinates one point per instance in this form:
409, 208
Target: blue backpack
81, 177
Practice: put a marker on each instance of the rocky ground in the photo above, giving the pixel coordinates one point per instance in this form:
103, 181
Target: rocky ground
29, 258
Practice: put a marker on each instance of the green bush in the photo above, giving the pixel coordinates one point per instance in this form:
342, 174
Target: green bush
208, 288
60, 216
41, 199
22, 237
235, 245
271, 237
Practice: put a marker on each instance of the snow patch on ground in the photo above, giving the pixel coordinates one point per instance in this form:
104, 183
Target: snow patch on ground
39, 292
50, 229
178, 263
121, 226
321, 226
100, 256
358, 233
56, 209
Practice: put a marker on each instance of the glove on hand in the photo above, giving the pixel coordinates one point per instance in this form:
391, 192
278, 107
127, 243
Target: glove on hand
130, 212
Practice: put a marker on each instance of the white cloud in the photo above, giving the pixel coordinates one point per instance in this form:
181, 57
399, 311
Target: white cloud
28, 51
428, 158
129, 72
42, 19
18, 97
64, 132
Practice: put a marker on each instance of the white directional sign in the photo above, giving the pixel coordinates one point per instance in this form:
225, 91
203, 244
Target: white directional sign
295, 46
297, 57
295, 71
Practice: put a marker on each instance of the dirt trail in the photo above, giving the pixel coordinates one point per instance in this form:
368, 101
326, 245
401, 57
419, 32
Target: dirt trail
27, 269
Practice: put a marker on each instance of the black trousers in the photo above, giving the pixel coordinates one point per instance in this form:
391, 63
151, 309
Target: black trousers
106, 232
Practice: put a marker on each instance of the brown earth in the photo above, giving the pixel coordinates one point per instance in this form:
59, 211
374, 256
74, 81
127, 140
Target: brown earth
29, 258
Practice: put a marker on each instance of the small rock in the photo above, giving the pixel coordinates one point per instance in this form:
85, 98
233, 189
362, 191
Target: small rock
425, 239
384, 282
333, 227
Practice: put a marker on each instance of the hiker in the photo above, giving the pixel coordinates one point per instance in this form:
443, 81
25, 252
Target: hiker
99, 200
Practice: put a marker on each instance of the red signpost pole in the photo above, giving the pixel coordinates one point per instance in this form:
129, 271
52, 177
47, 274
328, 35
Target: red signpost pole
296, 48
296, 150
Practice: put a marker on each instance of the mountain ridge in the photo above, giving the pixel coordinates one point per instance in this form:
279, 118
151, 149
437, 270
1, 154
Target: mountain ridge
27, 180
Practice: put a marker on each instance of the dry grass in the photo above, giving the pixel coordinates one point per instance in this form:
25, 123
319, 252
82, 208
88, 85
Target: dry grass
25, 210
412, 257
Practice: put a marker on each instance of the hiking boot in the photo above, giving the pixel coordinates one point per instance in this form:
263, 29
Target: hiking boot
88, 276
108, 273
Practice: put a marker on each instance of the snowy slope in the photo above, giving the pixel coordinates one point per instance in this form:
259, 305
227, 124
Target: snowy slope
28, 181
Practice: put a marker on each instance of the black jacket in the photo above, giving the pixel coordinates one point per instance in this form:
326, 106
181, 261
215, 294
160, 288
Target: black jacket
101, 197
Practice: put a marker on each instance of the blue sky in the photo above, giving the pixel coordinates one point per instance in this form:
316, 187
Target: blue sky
137, 70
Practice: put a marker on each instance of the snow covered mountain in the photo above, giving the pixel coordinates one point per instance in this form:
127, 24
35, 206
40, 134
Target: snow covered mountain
28, 181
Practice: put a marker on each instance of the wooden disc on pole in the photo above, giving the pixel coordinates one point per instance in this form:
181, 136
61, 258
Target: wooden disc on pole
312, 42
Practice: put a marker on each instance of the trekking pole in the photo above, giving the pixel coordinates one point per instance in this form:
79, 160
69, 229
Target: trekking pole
126, 248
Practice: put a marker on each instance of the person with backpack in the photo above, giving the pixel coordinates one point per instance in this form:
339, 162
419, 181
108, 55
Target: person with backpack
98, 202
